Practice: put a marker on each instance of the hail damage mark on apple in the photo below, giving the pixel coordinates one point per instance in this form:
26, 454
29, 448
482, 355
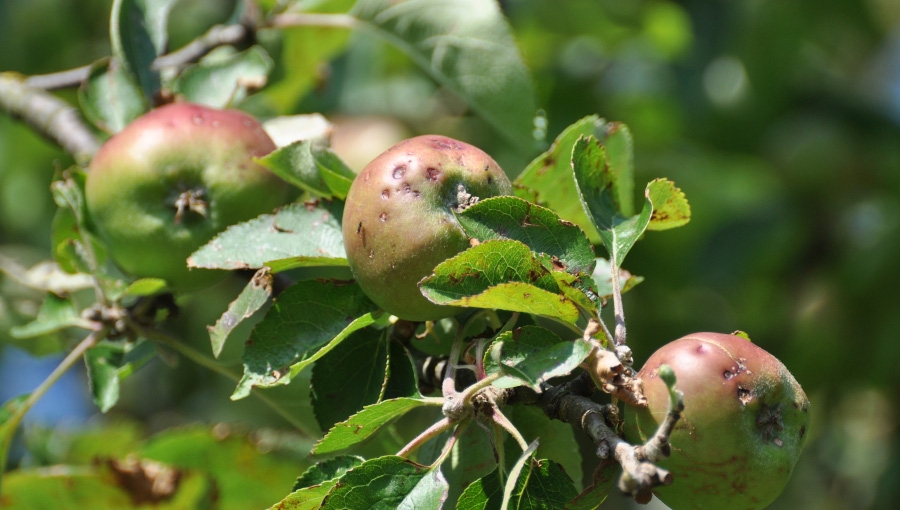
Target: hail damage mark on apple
417, 185
743, 427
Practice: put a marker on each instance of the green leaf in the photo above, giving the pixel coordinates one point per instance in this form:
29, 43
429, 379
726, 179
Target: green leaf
109, 363
467, 47
363, 424
310, 167
98, 488
532, 354
302, 53
307, 498
251, 471
388, 483
596, 182
145, 287
512, 480
316, 482
540, 484
251, 299
306, 321
221, 83
402, 380
138, 35
548, 179
603, 279
337, 396
109, 97
670, 207
620, 158
327, 470
557, 439
499, 274
299, 235
605, 477
74, 247
471, 457
56, 314
539, 228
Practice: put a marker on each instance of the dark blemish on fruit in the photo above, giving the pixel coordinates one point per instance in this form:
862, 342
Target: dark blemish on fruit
433, 173
490, 180
399, 170
405, 187
382, 217
802, 432
385, 194
701, 349
727, 375
744, 395
360, 231
416, 194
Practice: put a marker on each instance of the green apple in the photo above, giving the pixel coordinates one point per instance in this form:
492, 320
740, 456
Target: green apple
173, 179
399, 220
744, 424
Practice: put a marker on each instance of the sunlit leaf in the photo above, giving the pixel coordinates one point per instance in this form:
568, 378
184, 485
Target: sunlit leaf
548, 179
327, 470
388, 483
499, 274
56, 313
532, 354
466, 46
596, 181
298, 235
225, 82
566, 246
109, 97
250, 300
670, 207
363, 424
313, 168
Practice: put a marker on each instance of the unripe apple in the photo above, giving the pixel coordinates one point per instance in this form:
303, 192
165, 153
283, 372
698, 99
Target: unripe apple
743, 427
399, 218
171, 180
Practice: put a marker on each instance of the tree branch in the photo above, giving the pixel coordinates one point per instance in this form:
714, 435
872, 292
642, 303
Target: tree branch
50, 116
219, 35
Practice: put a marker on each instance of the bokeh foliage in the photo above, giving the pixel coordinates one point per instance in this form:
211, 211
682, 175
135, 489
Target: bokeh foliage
780, 120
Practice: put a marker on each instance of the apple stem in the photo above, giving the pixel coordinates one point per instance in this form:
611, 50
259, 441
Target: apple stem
617, 303
434, 430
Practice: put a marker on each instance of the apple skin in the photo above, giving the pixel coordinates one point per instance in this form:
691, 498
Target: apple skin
399, 223
136, 177
743, 428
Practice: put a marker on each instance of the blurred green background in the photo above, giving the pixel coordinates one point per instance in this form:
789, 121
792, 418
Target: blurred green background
780, 120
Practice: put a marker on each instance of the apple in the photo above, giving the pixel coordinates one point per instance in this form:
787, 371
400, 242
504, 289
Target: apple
399, 220
744, 424
171, 180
